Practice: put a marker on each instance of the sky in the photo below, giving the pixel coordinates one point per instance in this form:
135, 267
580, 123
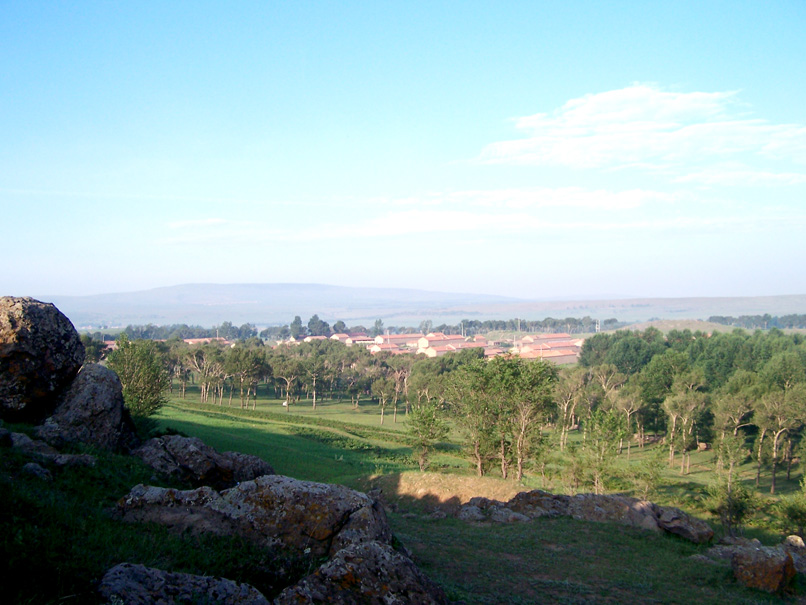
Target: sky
539, 150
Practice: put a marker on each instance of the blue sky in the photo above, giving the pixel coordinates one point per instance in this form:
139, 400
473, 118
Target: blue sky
532, 149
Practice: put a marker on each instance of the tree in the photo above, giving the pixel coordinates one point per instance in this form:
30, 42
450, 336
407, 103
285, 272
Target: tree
426, 426
296, 328
604, 430
377, 328
339, 327
93, 349
142, 373
317, 327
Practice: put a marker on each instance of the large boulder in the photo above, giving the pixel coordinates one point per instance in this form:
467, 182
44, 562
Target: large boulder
91, 411
279, 513
765, 568
675, 521
191, 460
139, 585
40, 354
369, 572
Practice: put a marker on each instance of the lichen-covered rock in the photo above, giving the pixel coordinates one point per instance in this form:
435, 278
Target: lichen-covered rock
277, 512
369, 572
92, 411
139, 585
190, 459
675, 521
764, 568
40, 354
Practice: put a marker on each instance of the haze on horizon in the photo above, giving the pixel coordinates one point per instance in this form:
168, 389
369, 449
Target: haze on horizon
526, 149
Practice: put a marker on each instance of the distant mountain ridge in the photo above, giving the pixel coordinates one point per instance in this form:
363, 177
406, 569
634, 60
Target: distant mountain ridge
271, 304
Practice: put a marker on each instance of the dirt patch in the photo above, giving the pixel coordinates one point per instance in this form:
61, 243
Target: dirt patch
431, 491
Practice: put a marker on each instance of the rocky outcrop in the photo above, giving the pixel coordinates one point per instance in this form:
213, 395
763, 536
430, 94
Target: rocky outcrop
40, 353
140, 585
588, 507
277, 512
766, 568
92, 412
369, 572
190, 460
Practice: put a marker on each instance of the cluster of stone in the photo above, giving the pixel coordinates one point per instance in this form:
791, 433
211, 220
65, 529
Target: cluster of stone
589, 507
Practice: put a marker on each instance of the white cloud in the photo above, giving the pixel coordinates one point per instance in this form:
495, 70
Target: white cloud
642, 125
744, 176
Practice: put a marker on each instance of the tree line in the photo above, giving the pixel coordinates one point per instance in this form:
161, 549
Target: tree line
742, 395
761, 322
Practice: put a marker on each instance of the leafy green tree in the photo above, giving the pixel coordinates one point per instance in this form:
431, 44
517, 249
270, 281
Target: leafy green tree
603, 430
340, 327
377, 328
427, 426
139, 365
296, 328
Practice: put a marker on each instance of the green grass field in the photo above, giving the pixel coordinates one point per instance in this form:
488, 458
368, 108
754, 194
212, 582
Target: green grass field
547, 560
62, 531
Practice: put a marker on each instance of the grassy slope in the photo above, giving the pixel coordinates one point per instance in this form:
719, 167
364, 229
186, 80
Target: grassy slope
557, 560
62, 532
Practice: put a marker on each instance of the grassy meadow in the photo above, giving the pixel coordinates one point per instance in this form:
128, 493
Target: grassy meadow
547, 560
59, 537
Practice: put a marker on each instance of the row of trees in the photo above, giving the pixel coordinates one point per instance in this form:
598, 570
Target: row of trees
761, 322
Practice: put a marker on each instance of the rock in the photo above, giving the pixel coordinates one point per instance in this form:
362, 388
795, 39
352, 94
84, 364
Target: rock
40, 354
795, 546
274, 511
764, 568
32, 447
91, 411
139, 585
675, 521
33, 469
371, 573
618, 509
470, 512
191, 460
5, 438
44, 452
538, 503
505, 515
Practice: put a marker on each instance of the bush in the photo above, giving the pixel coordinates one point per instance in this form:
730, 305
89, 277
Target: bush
731, 502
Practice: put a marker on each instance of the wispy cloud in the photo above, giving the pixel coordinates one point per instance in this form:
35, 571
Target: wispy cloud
643, 126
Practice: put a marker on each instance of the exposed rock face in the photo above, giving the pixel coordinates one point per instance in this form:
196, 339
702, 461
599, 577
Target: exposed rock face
277, 512
588, 507
370, 572
91, 411
765, 568
40, 353
190, 459
140, 585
